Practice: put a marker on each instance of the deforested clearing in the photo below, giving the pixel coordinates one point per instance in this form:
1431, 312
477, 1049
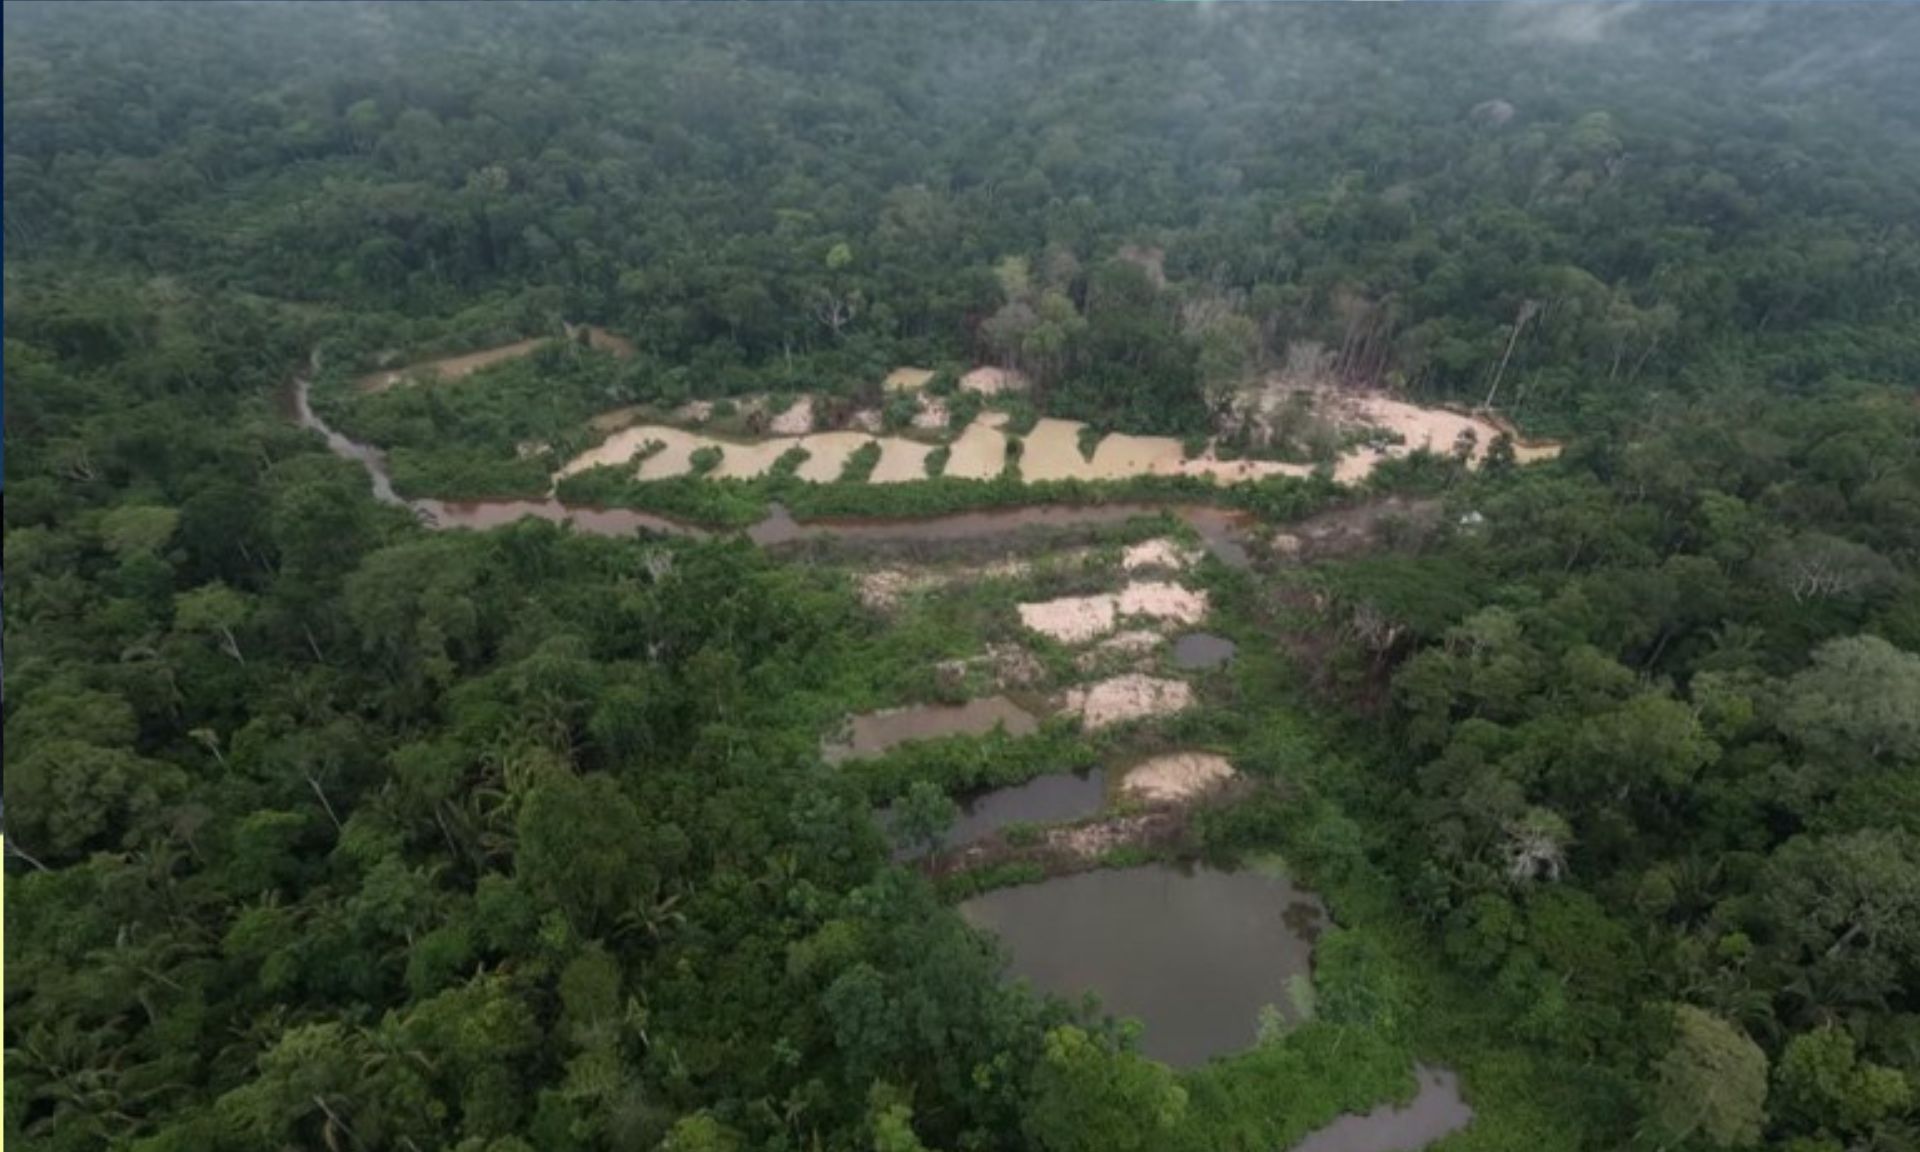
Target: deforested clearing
993, 381
1176, 776
906, 379
450, 367
1132, 696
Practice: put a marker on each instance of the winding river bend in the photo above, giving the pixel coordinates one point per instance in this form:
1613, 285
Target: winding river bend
1223, 529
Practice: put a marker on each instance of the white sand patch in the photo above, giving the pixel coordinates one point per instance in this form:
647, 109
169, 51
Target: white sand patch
993, 381
866, 420
907, 379
694, 412
1175, 777
1163, 602
900, 461
1159, 552
795, 421
1128, 697
528, 449
980, 452
1078, 619
830, 451
1070, 619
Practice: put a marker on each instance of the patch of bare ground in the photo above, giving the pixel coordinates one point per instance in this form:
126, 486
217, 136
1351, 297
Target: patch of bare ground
1176, 776
797, 420
993, 381
1079, 619
1133, 696
455, 367
883, 589
1163, 601
448, 367
1160, 552
1119, 649
1071, 619
906, 379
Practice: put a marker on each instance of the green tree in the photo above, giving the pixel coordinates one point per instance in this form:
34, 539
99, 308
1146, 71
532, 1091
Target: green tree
1089, 1097
1711, 1084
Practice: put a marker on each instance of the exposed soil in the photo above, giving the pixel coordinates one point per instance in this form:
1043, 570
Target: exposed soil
1071, 619
1176, 777
1163, 601
795, 421
455, 367
993, 381
907, 379
447, 368
1132, 696
1160, 552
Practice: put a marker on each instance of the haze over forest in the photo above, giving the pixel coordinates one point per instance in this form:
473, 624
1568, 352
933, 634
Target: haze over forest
723, 577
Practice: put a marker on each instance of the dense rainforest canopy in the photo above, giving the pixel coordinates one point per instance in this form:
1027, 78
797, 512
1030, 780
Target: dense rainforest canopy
328, 831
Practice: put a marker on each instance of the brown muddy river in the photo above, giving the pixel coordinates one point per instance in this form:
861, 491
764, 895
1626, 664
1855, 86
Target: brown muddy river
1193, 954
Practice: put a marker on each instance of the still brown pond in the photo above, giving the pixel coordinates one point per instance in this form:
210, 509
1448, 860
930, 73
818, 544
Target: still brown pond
872, 733
1056, 798
1193, 954
1434, 1112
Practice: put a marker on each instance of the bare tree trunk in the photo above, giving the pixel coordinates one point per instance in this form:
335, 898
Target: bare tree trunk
1527, 309
314, 783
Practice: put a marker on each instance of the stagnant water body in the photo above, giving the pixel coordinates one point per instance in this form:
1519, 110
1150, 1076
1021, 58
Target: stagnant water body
872, 733
1434, 1112
1057, 798
1220, 528
1202, 650
1193, 954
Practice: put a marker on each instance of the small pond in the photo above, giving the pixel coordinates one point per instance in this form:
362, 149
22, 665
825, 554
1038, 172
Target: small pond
1436, 1111
1061, 797
1193, 954
1202, 650
873, 733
